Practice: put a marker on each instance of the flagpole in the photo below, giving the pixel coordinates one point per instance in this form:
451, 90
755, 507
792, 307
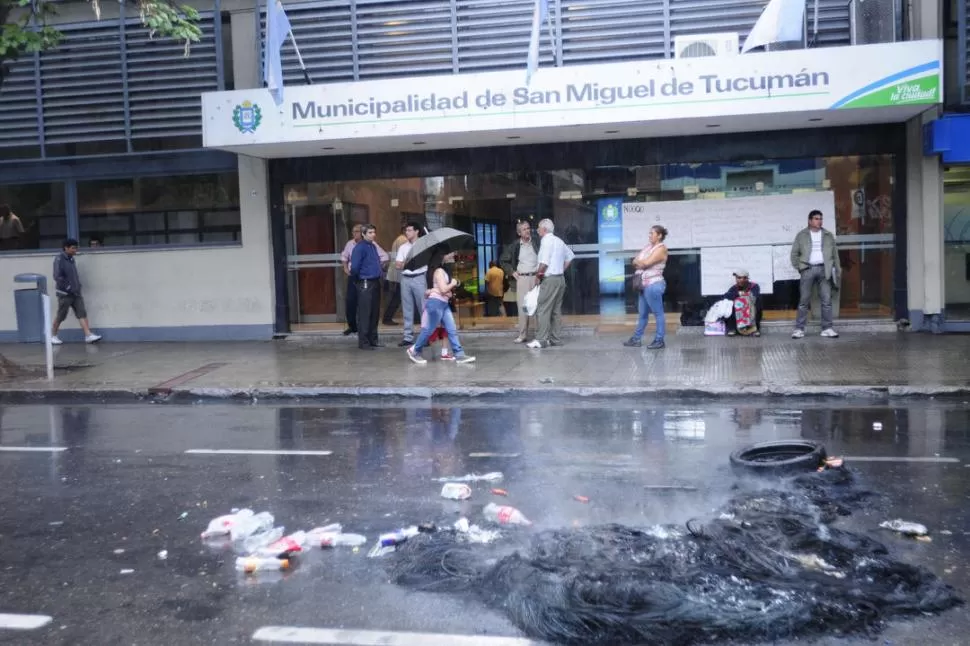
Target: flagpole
306, 74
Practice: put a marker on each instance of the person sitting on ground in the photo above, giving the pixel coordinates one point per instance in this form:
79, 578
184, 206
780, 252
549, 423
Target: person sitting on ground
437, 310
745, 317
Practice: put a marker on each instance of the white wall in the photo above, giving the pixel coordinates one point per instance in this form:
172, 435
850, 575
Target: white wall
187, 287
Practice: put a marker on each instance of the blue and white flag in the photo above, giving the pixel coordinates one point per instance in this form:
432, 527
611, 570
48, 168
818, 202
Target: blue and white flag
277, 29
782, 21
540, 13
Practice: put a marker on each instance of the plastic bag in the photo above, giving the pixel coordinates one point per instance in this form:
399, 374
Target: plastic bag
717, 328
530, 302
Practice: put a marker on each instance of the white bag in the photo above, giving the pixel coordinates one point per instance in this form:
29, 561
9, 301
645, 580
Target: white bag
530, 302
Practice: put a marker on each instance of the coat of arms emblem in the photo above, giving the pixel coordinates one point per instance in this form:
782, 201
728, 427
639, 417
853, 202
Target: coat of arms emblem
246, 117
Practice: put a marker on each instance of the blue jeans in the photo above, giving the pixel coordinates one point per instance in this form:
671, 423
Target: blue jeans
652, 300
437, 311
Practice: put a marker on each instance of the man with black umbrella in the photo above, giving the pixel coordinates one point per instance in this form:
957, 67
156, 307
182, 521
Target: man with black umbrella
365, 270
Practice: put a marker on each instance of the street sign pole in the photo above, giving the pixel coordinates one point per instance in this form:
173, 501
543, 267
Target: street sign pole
48, 347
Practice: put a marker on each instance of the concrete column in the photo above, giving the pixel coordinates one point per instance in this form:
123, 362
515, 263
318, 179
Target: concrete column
924, 198
253, 172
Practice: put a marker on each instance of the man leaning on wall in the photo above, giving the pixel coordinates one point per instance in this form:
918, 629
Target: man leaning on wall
814, 256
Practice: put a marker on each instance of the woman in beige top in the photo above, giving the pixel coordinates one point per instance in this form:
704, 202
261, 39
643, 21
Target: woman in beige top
649, 265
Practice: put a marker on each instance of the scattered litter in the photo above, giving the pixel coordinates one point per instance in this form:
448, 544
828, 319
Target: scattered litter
239, 524
494, 455
877, 426
456, 491
183, 515
56, 523
119, 551
127, 571
504, 515
582, 499
494, 476
333, 536
474, 533
163, 555
281, 546
547, 380
500, 492
924, 539
905, 527
946, 532
252, 564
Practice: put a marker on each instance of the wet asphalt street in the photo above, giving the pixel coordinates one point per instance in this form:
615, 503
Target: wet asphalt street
107, 487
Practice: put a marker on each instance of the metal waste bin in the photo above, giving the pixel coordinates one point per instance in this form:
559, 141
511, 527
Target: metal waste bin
29, 304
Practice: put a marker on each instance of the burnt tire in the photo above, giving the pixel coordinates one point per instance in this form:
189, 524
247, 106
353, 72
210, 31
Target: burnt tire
778, 458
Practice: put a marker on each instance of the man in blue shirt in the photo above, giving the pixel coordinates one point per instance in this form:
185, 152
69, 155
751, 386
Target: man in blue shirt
365, 271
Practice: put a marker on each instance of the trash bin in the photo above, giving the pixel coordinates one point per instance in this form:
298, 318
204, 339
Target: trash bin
29, 306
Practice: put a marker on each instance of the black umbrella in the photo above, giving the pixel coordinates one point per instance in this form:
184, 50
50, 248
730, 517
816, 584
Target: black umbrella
446, 239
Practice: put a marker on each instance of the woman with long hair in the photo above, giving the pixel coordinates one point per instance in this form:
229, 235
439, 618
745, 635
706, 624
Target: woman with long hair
437, 310
649, 265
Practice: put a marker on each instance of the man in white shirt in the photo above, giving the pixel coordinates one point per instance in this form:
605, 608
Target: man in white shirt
413, 285
554, 259
814, 256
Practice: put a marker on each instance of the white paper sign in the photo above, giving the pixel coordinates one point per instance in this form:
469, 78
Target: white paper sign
639, 217
718, 265
781, 262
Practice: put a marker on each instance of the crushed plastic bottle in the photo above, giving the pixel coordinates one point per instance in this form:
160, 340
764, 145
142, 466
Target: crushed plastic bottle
332, 536
223, 525
254, 542
456, 491
252, 564
251, 526
474, 533
284, 547
398, 536
505, 515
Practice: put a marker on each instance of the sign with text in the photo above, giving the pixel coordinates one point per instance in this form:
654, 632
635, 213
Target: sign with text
884, 75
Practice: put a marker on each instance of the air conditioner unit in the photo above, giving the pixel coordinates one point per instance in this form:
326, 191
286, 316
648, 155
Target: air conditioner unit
697, 45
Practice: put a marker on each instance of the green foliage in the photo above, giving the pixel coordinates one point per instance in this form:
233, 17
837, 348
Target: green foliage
24, 27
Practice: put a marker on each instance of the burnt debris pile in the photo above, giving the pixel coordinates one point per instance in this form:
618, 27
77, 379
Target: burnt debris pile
766, 566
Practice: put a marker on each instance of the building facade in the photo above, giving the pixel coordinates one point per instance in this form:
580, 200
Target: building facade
224, 217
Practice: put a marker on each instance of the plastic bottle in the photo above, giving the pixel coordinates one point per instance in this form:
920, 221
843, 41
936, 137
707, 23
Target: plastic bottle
456, 491
251, 564
223, 525
505, 515
250, 525
255, 542
285, 546
397, 537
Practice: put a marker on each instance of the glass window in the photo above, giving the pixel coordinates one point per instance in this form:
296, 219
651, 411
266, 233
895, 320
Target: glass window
174, 210
956, 242
858, 191
32, 216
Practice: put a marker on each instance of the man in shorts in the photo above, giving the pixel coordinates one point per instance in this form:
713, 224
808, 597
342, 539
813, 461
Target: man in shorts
67, 285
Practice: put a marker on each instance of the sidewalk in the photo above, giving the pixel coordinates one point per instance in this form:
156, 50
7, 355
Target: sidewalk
884, 364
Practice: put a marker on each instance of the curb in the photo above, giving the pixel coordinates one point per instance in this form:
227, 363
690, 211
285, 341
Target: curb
284, 393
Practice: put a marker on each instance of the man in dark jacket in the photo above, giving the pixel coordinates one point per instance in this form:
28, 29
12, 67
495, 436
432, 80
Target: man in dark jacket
522, 266
67, 286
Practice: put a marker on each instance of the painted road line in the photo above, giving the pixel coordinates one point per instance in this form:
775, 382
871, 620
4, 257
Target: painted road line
34, 449
23, 622
293, 635
494, 455
254, 452
863, 458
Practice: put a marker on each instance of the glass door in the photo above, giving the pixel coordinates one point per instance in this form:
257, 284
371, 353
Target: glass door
956, 242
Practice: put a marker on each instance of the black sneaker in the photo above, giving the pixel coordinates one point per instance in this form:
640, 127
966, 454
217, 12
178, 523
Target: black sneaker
348, 332
633, 342
405, 343
656, 345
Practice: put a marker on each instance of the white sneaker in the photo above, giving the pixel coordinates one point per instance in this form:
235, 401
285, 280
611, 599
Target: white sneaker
535, 345
830, 333
798, 334
464, 359
519, 339
55, 340
416, 358
92, 338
